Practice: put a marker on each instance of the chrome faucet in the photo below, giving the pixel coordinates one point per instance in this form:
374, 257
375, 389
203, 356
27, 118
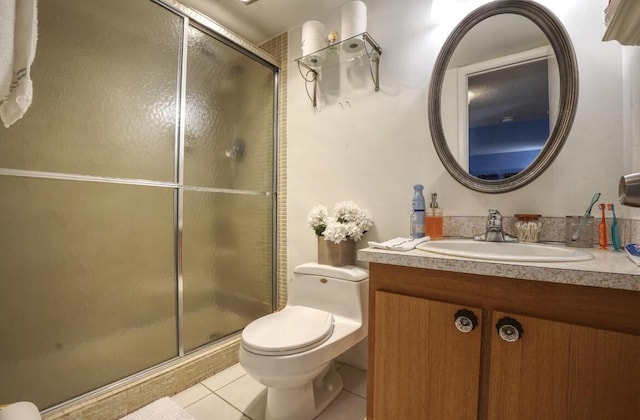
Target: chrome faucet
494, 232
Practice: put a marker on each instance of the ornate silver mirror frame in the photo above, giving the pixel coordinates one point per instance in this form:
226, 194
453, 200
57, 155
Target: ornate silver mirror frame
568, 97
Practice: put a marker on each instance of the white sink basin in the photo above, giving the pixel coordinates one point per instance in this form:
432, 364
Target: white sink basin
503, 251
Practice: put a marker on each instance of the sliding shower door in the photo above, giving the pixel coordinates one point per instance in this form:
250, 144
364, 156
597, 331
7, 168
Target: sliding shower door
137, 199
228, 181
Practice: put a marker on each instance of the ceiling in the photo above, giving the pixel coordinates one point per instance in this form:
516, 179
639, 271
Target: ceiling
264, 19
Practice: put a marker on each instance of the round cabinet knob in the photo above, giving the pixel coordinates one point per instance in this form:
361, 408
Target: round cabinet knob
509, 329
465, 320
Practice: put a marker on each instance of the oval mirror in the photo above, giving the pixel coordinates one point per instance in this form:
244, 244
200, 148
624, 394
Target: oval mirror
503, 95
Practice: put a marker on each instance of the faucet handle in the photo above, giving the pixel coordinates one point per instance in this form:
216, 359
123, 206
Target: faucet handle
494, 232
494, 221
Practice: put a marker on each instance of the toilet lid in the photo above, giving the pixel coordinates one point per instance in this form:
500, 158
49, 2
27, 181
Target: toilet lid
292, 330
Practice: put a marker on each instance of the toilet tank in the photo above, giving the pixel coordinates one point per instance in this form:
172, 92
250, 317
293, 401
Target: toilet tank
342, 291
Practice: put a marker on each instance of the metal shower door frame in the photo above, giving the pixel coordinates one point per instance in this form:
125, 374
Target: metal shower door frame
222, 34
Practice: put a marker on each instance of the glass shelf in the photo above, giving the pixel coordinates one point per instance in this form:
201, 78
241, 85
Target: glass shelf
350, 49
341, 51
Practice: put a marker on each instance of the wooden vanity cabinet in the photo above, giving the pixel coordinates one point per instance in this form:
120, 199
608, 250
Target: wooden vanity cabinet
416, 342
563, 371
578, 355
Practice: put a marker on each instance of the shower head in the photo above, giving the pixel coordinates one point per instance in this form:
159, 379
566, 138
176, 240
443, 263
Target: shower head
238, 151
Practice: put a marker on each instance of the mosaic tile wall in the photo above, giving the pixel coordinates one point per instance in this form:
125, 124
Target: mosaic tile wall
277, 47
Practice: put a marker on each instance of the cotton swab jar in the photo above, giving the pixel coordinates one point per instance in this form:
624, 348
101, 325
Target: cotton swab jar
528, 227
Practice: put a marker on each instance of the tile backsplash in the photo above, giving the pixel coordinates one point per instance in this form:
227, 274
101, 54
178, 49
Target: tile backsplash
553, 228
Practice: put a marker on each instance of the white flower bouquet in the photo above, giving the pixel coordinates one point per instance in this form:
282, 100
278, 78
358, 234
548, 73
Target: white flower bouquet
348, 222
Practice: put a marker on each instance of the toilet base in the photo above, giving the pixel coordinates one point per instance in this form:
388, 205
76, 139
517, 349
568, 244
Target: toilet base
306, 401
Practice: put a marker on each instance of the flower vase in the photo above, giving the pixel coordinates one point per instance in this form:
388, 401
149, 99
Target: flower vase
336, 254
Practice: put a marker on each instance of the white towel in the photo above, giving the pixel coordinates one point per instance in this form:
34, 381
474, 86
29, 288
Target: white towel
22, 410
399, 244
18, 37
163, 409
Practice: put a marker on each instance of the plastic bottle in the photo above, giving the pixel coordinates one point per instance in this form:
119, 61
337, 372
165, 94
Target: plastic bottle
433, 219
417, 216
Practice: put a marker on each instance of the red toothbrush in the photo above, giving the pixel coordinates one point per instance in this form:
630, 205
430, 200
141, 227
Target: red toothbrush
602, 228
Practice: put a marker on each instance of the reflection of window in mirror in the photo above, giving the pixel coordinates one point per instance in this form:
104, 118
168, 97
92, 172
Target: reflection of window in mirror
508, 118
506, 108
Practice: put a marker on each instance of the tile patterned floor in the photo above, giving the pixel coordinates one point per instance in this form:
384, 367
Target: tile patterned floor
234, 395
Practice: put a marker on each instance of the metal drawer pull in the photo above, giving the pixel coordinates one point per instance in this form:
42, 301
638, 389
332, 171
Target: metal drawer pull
509, 329
465, 320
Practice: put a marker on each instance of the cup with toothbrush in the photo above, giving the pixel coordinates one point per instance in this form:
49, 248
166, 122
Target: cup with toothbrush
580, 229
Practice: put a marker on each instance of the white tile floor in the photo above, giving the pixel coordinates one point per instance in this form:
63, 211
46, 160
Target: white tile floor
234, 395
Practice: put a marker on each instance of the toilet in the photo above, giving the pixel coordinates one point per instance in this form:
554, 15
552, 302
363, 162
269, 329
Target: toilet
291, 352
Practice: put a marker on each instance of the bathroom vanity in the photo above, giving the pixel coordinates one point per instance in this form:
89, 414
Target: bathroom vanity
569, 346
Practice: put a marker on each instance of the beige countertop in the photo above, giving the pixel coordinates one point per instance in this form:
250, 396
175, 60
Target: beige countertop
607, 269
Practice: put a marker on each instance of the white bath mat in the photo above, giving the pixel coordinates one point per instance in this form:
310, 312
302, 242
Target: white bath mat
162, 409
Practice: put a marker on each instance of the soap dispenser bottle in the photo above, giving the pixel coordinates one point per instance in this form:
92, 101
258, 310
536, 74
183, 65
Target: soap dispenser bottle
433, 219
417, 216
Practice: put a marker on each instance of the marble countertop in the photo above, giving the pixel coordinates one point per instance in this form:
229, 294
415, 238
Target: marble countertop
607, 269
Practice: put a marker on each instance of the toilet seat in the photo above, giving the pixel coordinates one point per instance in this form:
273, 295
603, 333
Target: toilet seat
292, 330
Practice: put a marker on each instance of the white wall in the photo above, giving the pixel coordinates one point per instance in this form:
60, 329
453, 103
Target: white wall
631, 108
374, 150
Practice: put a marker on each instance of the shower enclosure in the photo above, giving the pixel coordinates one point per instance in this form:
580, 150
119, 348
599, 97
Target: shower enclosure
138, 197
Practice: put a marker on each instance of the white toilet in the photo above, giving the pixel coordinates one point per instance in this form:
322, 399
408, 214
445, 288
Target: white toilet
291, 352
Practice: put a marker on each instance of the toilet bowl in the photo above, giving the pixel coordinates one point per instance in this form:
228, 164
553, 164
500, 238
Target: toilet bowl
291, 352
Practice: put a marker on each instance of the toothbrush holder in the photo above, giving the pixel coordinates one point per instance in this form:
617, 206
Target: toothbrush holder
585, 239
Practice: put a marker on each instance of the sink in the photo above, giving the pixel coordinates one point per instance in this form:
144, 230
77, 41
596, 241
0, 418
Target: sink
503, 251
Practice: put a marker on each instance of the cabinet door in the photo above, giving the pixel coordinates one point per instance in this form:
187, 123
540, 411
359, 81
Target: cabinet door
563, 371
425, 368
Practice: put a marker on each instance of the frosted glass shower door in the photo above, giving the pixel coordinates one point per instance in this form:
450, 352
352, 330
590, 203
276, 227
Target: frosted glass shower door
87, 266
227, 261
133, 232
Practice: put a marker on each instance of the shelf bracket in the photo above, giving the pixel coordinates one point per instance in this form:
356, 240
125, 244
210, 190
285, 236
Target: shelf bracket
311, 77
374, 59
